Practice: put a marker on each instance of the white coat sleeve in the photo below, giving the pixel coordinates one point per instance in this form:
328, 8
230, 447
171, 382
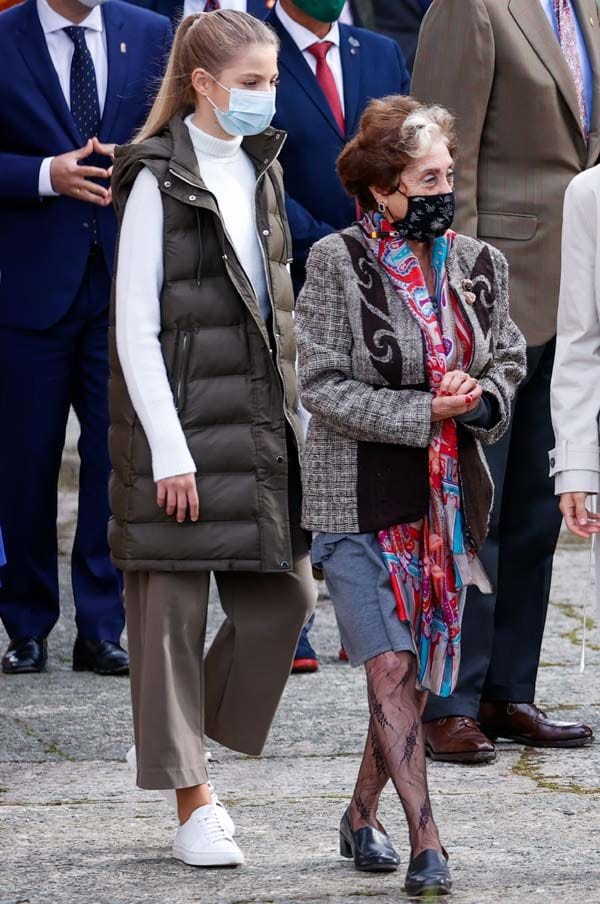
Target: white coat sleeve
575, 392
139, 284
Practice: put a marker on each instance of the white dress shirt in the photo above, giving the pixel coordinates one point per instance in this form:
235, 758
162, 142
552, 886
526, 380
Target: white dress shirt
61, 49
303, 38
191, 7
346, 16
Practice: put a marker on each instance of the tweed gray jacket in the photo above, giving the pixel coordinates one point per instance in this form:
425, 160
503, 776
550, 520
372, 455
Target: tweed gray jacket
363, 408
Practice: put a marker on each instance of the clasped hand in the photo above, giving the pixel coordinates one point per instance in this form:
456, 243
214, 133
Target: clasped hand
70, 177
458, 394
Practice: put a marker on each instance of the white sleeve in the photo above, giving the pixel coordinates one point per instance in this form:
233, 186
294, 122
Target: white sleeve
576, 482
575, 392
139, 280
45, 189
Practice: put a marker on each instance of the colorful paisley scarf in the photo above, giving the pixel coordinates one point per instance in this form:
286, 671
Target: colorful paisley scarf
432, 561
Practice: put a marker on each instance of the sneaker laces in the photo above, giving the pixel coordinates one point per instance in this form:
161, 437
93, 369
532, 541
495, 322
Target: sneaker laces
213, 828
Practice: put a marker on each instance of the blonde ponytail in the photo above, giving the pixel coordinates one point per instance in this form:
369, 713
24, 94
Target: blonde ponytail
210, 41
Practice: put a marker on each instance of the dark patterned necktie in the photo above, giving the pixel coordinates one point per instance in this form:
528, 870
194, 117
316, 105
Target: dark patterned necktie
211, 5
567, 36
85, 105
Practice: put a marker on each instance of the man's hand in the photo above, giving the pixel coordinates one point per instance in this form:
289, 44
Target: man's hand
578, 519
178, 494
104, 150
70, 178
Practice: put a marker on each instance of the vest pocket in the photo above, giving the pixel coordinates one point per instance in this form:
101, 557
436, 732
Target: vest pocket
181, 366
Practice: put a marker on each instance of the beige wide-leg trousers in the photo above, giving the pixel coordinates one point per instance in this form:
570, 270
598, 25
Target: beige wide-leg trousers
233, 693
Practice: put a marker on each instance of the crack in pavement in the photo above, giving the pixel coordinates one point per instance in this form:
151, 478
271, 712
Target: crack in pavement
529, 765
50, 747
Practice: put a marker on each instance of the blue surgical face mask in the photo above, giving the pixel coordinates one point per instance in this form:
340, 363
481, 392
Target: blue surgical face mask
250, 112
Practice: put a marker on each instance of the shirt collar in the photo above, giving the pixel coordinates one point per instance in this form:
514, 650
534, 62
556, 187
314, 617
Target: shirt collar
52, 21
302, 36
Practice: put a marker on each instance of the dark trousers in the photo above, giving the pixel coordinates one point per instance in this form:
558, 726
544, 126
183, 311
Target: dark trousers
503, 631
43, 373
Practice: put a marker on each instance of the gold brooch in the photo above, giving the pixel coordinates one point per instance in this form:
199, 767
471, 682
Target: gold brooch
467, 283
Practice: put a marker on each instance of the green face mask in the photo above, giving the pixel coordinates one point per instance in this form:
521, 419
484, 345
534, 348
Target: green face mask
322, 10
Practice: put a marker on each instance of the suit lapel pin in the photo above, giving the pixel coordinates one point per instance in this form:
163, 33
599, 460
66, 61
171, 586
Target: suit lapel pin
353, 45
123, 47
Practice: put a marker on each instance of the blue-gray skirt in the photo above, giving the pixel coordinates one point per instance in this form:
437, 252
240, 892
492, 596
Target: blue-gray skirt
361, 591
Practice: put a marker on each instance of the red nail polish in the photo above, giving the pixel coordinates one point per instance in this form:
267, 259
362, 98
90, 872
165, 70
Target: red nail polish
469, 399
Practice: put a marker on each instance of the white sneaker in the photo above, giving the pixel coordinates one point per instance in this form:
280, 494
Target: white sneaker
202, 841
171, 797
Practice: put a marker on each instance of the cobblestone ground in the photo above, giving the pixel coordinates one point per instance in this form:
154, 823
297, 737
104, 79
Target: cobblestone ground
74, 829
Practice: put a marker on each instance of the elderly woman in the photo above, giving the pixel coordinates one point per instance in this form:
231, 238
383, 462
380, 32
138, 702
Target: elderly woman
408, 360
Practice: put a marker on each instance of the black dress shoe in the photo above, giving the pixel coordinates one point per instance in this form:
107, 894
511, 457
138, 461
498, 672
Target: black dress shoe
371, 849
25, 654
101, 656
428, 875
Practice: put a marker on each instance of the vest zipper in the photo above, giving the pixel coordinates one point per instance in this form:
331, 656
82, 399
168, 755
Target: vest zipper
182, 372
267, 269
258, 320
260, 323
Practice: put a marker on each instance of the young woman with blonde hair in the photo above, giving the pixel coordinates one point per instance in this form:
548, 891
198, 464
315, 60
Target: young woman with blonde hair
205, 431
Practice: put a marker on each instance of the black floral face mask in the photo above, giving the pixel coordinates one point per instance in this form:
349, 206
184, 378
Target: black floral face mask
428, 217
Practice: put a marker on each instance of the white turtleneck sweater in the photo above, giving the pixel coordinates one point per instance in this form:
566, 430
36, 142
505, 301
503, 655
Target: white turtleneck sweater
230, 175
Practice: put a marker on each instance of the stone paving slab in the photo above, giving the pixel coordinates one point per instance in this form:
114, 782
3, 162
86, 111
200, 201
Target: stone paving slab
75, 830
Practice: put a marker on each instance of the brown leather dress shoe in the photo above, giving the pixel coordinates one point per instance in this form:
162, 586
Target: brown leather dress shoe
457, 739
526, 724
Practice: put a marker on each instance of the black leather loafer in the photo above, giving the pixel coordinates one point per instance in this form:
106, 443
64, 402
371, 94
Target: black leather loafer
371, 849
428, 875
101, 656
25, 654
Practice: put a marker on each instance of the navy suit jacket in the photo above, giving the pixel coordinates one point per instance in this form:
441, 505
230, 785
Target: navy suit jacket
317, 204
45, 242
174, 8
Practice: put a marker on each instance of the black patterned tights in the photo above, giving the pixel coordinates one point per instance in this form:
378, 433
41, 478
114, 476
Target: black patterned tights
395, 750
